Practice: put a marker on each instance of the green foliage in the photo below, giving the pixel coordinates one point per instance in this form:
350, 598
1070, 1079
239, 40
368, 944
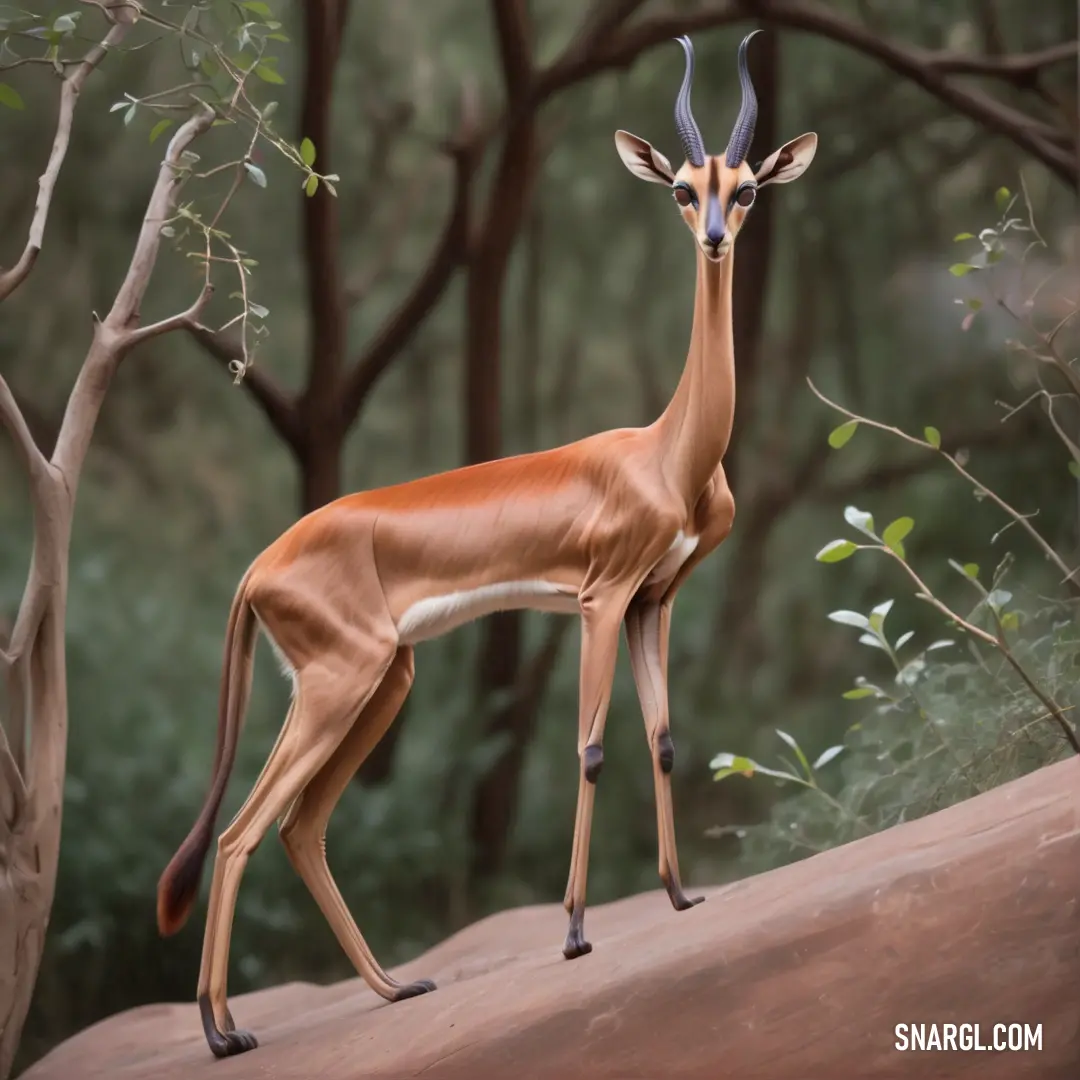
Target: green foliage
946, 722
838, 437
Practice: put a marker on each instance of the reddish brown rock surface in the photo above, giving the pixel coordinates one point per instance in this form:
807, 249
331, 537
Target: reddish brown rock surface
971, 915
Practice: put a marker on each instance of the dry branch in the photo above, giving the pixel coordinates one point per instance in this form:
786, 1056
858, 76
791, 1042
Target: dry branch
70, 89
929, 69
277, 404
449, 252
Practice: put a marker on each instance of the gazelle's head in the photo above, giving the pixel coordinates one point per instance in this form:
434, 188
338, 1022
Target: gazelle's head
715, 193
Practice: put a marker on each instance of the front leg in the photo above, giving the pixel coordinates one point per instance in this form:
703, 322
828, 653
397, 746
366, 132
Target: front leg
648, 624
600, 621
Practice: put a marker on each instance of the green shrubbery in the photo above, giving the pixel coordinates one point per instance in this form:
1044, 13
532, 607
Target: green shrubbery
995, 696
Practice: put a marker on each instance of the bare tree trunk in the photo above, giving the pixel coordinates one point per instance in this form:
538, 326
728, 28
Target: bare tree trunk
33, 744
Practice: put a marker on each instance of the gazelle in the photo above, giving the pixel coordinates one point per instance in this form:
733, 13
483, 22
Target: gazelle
608, 527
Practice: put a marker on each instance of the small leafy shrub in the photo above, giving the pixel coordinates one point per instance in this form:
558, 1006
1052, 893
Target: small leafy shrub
996, 695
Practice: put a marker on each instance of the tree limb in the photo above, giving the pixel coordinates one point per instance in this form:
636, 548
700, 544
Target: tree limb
512, 31
927, 69
11, 417
113, 335
278, 406
451, 249
70, 89
183, 320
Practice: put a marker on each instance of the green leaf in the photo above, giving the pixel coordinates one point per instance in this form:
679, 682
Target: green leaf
65, 23
963, 236
271, 108
167, 230
839, 436
974, 303
835, 551
933, 437
850, 618
1010, 621
969, 570
158, 128
311, 185
735, 764
797, 748
878, 613
256, 174
130, 115
268, 74
257, 7
960, 269
860, 520
258, 310
895, 532
827, 755
307, 152
1074, 468
857, 692
999, 598
11, 97
1002, 197
330, 187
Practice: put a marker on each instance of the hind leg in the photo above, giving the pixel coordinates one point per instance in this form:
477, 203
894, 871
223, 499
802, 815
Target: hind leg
303, 831
329, 697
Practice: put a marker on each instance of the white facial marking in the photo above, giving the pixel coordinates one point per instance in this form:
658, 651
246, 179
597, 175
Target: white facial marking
682, 547
435, 615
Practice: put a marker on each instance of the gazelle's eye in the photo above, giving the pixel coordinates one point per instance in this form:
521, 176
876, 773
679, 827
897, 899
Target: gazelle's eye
745, 195
683, 195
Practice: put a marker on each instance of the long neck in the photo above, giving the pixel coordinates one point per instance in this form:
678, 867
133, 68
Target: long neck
695, 428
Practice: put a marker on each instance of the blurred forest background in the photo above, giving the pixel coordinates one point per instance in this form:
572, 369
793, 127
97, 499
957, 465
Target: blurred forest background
490, 280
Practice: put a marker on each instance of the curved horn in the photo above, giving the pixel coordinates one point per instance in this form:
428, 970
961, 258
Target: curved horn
685, 124
743, 132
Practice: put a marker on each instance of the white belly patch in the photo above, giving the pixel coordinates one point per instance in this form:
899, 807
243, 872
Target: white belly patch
682, 547
435, 615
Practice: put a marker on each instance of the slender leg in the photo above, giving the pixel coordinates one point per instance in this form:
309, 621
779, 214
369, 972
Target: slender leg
647, 626
327, 702
303, 831
599, 649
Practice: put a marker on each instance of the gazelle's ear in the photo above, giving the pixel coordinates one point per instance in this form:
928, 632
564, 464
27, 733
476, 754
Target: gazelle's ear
789, 162
642, 160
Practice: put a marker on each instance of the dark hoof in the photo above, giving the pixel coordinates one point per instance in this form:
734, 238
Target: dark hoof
575, 944
682, 902
679, 900
413, 989
226, 1043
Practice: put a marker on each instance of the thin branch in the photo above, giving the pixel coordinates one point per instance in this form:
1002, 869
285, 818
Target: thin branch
277, 405
1018, 68
925, 68
11, 417
888, 473
70, 89
184, 320
112, 336
1020, 519
997, 641
451, 250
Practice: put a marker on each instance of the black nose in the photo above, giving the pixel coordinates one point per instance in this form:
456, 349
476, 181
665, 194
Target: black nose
714, 236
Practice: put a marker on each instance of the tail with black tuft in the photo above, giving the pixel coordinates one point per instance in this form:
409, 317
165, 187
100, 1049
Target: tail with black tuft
179, 884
